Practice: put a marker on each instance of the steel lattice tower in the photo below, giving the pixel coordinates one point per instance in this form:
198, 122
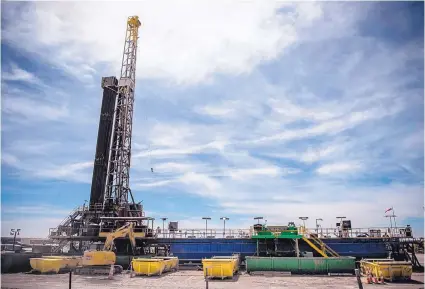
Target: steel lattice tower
117, 185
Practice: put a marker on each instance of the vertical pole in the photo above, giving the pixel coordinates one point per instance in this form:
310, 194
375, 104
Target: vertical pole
257, 248
163, 224
395, 223
206, 228
224, 232
14, 240
297, 250
359, 281
70, 279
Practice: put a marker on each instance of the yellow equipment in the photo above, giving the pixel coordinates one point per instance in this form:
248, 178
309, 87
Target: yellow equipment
387, 269
148, 266
54, 264
220, 267
99, 262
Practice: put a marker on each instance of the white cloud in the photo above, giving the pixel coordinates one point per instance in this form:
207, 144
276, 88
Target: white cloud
336, 168
28, 211
201, 184
231, 38
243, 174
216, 110
38, 167
18, 74
19, 106
67, 171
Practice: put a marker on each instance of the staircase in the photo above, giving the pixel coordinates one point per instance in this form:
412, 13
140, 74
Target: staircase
317, 244
63, 229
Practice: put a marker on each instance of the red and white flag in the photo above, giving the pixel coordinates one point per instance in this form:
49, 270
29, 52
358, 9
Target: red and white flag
387, 210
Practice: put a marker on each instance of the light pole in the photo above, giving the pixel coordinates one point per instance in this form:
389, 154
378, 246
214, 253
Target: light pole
163, 225
303, 219
206, 224
258, 219
317, 225
224, 224
14, 232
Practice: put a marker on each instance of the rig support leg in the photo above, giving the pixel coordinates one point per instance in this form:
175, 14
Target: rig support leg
297, 249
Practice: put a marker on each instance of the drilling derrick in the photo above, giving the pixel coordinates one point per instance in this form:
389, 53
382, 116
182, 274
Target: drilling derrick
109, 207
117, 186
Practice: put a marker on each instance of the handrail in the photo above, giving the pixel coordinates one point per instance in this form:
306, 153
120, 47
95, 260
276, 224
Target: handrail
323, 250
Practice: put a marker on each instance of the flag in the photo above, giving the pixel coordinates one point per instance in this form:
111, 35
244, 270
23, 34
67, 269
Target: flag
387, 210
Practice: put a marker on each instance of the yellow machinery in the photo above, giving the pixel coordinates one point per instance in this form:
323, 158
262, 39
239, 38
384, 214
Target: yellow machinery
100, 262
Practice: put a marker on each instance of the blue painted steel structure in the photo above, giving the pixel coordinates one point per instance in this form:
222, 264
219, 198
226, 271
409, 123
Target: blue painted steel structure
359, 248
196, 249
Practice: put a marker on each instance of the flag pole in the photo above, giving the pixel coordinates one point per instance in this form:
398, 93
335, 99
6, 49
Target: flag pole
395, 223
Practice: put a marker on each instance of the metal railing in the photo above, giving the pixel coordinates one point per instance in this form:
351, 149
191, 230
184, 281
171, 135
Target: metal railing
374, 232
201, 233
377, 232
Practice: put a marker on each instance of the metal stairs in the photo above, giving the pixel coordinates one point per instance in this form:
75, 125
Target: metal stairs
63, 229
317, 244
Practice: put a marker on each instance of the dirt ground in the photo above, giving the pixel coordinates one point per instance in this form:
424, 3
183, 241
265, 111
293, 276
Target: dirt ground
191, 279
195, 279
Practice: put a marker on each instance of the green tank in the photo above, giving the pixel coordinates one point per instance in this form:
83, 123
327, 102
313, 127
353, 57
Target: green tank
302, 265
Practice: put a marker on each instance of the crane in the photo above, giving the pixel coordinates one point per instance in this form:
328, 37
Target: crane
97, 262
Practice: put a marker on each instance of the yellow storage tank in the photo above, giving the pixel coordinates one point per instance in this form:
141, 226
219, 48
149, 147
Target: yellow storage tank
171, 263
148, 267
388, 269
219, 268
54, 264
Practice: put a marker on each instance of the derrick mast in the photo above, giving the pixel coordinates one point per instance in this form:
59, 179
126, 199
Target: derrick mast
117, 185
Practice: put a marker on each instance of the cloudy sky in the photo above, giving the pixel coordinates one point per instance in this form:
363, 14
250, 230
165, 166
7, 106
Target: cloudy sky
243, 108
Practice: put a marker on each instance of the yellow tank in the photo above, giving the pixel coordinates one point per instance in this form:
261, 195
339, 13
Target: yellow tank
388, 269
219, 268
54, 264
171, 263
98, 258
148, 267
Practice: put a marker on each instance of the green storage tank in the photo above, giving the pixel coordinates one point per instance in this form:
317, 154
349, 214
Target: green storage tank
341, 264
285, 264
303, 265
259, 263
312, 265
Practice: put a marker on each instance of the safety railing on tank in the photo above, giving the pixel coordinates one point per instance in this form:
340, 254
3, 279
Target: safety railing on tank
374, 232
203, 234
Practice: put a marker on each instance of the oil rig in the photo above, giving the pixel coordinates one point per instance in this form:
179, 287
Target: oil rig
111, 201
112, 204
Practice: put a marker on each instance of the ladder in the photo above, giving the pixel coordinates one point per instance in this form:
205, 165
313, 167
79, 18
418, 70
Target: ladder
317, 244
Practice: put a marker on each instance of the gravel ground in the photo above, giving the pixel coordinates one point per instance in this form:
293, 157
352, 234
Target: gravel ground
190, 279
194, 279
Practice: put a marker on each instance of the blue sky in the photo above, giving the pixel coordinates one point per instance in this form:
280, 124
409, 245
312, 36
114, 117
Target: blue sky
243, 109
